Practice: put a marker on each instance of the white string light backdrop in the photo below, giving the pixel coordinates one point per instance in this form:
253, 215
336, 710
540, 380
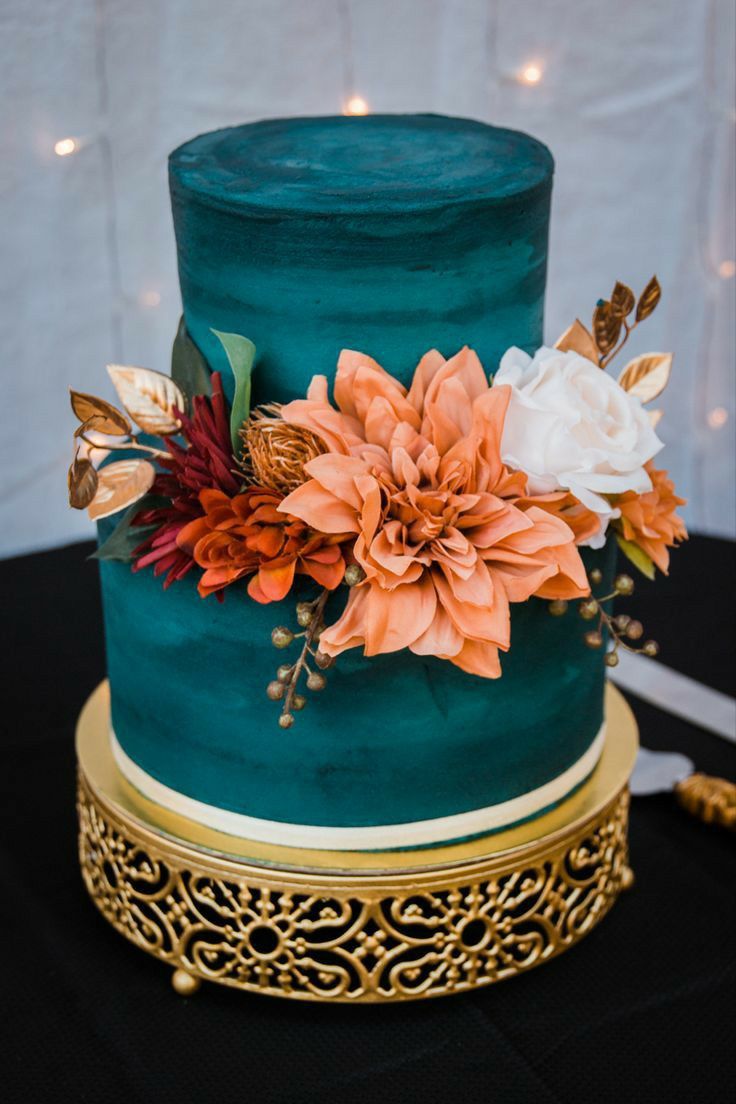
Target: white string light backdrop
636, 102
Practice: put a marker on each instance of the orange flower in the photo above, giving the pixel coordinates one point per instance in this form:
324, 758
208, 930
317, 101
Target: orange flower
443, 530
246, 534
649, 520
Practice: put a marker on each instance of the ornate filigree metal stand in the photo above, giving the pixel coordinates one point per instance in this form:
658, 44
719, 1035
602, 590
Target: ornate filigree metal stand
346, 926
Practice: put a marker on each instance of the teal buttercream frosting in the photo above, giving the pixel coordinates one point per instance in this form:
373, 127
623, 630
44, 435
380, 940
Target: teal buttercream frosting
393, 738
392, 235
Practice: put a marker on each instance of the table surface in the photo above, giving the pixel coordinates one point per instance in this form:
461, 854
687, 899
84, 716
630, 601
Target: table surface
641, 1010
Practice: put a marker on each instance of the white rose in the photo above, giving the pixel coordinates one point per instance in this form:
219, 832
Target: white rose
570, 426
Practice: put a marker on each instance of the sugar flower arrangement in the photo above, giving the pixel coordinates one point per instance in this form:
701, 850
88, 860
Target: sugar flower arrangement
439, 506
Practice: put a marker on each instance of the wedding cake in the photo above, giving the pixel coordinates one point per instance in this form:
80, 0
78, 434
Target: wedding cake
358, 550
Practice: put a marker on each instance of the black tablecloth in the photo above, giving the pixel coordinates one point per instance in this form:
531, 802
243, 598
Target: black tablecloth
641, 1010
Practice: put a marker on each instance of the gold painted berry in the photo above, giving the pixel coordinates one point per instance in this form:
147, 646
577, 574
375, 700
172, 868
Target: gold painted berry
354, 574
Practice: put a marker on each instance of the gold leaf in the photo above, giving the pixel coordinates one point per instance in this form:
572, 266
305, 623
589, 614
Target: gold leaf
655, 417
120, 485
606, 326
96, 427
622, 299
149, 397
646, 376
82, 483
648, 299
99, 414
578, 339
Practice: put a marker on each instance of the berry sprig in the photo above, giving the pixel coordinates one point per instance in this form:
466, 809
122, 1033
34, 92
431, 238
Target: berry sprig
310, 618
623, 630
284, 686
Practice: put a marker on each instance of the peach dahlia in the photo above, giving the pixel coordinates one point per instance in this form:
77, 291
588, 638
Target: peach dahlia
446, 534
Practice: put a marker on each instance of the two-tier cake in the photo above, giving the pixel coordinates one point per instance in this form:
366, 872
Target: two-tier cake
365, 449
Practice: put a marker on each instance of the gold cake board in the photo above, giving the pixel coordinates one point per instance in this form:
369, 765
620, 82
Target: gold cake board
343, 925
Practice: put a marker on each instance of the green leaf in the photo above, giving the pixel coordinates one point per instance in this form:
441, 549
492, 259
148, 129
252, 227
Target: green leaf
126, 537
636, 556
189, 369
240, 354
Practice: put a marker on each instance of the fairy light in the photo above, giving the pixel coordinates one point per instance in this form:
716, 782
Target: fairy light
65, 146
356, 105
150, 299
727, 270
531, 73
717, 417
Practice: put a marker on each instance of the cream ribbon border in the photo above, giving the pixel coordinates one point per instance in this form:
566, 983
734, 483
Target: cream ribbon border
377, 837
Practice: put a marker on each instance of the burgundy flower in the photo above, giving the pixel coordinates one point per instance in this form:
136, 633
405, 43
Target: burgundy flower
205, 462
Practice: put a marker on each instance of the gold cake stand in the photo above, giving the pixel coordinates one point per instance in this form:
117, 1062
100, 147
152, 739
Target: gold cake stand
351, 926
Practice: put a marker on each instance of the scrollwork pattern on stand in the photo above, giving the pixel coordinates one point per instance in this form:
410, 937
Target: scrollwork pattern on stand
423, 939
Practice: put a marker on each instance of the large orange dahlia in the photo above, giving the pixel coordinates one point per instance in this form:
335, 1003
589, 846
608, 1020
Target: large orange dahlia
446, 534
247, 535
650, 520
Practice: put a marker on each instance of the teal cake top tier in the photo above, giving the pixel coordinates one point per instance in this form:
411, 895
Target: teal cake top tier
388, 233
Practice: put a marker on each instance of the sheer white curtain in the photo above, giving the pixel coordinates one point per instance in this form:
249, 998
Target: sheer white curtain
635, 100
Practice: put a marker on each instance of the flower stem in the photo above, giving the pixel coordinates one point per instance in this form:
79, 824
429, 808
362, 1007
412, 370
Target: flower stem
134, 443
606, 620
606, 360
301, 663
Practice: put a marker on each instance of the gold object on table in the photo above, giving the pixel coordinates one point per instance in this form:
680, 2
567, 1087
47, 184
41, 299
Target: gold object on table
351, 926
709, 798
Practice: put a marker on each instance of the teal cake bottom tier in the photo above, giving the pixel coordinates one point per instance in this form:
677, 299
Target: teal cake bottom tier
398, 750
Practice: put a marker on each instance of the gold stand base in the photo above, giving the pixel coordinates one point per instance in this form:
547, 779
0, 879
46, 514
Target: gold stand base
348, 926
